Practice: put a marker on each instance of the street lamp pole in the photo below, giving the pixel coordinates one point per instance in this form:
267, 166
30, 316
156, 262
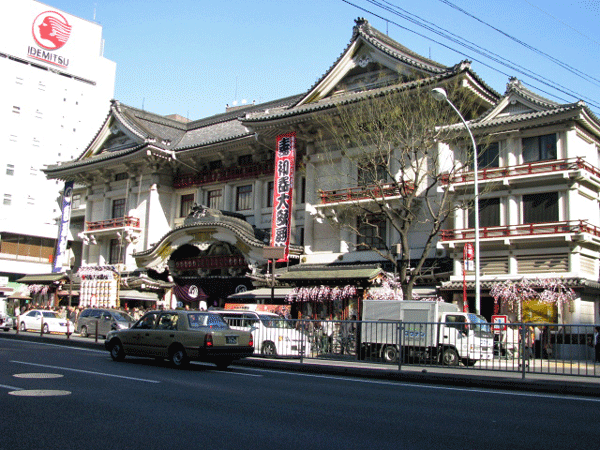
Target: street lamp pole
440, 95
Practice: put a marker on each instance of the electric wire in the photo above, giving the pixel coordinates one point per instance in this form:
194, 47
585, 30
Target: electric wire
473, 47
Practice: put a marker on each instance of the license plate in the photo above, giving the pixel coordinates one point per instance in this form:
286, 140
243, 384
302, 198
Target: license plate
231, 340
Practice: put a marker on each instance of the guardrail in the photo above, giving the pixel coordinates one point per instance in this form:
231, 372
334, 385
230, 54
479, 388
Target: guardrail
526, 348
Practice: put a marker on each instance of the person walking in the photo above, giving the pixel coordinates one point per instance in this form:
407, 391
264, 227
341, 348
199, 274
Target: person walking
597, 344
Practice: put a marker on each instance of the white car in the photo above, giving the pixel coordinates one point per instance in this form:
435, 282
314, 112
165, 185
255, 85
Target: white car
6, 322
48, 321
273, 335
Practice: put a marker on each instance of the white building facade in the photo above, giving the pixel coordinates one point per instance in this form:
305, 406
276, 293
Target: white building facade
57, 88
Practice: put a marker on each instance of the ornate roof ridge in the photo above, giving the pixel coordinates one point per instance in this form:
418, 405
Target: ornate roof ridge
514, 85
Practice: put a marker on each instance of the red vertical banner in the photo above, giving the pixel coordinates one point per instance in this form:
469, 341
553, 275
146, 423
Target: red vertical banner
285, 161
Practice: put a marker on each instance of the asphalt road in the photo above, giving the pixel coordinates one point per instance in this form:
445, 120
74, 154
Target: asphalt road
57, 397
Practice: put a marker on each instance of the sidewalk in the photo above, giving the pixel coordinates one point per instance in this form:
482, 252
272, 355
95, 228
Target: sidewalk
457, 377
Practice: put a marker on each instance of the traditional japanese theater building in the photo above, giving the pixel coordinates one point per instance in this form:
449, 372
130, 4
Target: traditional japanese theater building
191, 202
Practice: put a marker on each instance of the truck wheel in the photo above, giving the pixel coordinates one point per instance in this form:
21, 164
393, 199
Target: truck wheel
449, 357
469, 362
389, 353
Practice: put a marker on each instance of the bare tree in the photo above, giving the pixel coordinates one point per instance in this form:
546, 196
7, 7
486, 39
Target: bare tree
396, 160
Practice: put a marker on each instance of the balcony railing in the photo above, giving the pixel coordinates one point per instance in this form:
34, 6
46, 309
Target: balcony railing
210, 262
538, 167
119, 222
530, 229
365, 193
225, 174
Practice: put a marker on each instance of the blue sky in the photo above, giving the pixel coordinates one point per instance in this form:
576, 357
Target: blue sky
192, 57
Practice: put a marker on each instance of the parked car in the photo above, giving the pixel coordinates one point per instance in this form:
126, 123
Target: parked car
273, 335
105, 319
181, 336
48, 321
7, 322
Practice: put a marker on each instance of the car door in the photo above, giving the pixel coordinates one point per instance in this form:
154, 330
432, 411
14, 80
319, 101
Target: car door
137, 340
163, 335
33, 320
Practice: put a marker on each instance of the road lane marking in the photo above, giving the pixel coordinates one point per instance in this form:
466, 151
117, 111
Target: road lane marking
39, 393
86, 372
38, 375
12, 388
436, 387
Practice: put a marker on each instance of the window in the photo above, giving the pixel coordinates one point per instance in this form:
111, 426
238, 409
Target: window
488, 155
371, 232
116, 252
270, 186
7, 199
215, 199
10, 169
539, 148
489, 213
121, 176
118, 208
370, 172
187, 201
303, 190
76, 201
243, 198
539, 208
16, 109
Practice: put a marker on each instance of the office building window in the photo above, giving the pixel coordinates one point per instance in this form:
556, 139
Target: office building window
185, 206
116, 252
371, 232
540, 208
539, 148
118, 208
10, 169
243, 198
488, 155
215, 199
489, 213
7, 199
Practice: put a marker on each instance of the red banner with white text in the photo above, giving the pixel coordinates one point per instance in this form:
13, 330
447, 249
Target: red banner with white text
285, 161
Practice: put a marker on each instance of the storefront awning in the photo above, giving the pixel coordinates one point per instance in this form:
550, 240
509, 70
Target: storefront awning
261, 294
330, 274
44, 278
138, 295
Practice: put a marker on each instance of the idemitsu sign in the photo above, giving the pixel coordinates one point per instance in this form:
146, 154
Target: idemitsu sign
285, 161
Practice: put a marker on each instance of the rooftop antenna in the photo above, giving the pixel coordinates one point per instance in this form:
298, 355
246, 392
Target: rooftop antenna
95, 4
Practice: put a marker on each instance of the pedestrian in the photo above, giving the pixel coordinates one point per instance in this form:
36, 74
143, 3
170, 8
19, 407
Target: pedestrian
597, 343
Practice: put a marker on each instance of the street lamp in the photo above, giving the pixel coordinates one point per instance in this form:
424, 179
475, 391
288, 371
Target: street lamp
440, 95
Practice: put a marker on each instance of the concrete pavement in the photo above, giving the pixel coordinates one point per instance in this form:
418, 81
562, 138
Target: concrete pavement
460, 377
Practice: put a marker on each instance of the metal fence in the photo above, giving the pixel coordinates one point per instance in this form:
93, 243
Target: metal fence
561, 349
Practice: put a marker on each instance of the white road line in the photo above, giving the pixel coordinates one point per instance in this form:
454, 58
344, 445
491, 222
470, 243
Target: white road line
437, 387
85, 371
12, 388
93, 350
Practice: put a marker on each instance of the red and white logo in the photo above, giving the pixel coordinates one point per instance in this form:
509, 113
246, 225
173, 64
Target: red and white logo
51, 30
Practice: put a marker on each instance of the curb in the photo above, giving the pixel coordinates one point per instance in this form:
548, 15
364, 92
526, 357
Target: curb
555, 384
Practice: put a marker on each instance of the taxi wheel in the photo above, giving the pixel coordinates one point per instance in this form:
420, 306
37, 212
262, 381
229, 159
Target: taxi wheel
178, 357
116, 351
268, 348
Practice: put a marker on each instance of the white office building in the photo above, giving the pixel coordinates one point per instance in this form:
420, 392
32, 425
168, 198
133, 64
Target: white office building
56, 92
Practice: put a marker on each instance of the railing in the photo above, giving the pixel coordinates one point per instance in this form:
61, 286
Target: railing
538, 167
531, 229
365, 192
558, 349
211, 262
225, 174
119, 222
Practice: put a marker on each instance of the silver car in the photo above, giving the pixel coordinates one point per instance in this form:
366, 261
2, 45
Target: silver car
100, 321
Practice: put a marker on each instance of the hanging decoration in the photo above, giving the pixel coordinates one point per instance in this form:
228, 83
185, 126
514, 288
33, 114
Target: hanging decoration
321, 294
514, 293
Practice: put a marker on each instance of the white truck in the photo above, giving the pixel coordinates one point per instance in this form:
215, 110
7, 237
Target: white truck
431, 332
